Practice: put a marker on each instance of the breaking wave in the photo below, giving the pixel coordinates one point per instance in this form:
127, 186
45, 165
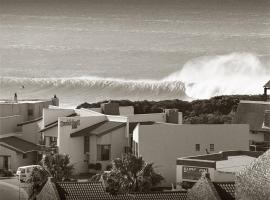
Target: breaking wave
235, 73
204, 77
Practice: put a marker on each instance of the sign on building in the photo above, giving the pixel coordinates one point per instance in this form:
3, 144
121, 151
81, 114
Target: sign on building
70, 122
193, 173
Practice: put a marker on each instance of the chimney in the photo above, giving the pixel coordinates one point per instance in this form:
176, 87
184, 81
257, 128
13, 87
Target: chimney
110, 108
267, 118
171, 116
55, 101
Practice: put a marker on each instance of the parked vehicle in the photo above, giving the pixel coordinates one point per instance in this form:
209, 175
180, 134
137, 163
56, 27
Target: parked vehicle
23, 172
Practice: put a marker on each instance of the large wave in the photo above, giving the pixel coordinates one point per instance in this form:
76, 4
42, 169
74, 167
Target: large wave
77, 89
235, 73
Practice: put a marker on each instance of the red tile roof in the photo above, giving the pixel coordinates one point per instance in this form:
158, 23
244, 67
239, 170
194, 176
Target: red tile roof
18, 144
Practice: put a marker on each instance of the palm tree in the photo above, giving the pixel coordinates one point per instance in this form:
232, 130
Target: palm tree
130, 174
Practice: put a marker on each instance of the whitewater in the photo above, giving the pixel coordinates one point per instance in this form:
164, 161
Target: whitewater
204, 77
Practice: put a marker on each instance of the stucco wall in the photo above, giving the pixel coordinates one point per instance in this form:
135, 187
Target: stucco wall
9, 124
16, 159
156, 117
51, 114
164, 143
74, 147
31, 132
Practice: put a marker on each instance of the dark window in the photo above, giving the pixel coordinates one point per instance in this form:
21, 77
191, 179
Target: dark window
197, 147
30, 112
103, 152
212, 147
24, 155
53, 141
86, 144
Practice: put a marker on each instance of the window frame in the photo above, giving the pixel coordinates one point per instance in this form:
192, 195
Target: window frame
212, 147
101, 151
197, 147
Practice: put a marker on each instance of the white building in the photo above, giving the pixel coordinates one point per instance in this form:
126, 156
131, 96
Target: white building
98, 135
162, 143
221, 167
19, 126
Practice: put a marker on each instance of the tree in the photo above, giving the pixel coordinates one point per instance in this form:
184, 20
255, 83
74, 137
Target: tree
130, 174
58, 166
37, 180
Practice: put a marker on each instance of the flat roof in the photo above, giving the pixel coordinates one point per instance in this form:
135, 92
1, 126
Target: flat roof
234, 163
10, 101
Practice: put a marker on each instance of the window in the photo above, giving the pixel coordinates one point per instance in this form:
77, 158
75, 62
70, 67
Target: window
53, 141
86, 144
24, 155
103, 152
212, 147
197, 147
30, 112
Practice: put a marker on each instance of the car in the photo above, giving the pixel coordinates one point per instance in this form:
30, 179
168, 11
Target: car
23, 173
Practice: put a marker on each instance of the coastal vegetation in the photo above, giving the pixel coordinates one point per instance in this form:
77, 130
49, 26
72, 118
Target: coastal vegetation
216, 110
129, 174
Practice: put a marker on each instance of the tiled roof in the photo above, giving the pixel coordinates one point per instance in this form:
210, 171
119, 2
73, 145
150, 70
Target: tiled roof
30, 121
82, 190
225, 190
18, 144
267, 85
251, 113
99, 129
171, 195
95, 190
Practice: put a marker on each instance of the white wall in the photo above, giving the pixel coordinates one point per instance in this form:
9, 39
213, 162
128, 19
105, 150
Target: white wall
51, 114
126, 110
156, 117
87, 112
162, 143
74, 147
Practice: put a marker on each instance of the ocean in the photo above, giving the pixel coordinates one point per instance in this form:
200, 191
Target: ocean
88, 51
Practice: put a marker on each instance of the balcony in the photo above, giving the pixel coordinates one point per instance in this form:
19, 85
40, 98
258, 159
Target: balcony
259, 146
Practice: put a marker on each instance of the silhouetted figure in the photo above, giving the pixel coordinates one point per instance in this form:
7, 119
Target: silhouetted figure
15, 97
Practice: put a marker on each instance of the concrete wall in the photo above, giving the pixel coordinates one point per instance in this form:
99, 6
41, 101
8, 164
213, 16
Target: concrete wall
51, 114
162, 144
74, 147
9, 124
